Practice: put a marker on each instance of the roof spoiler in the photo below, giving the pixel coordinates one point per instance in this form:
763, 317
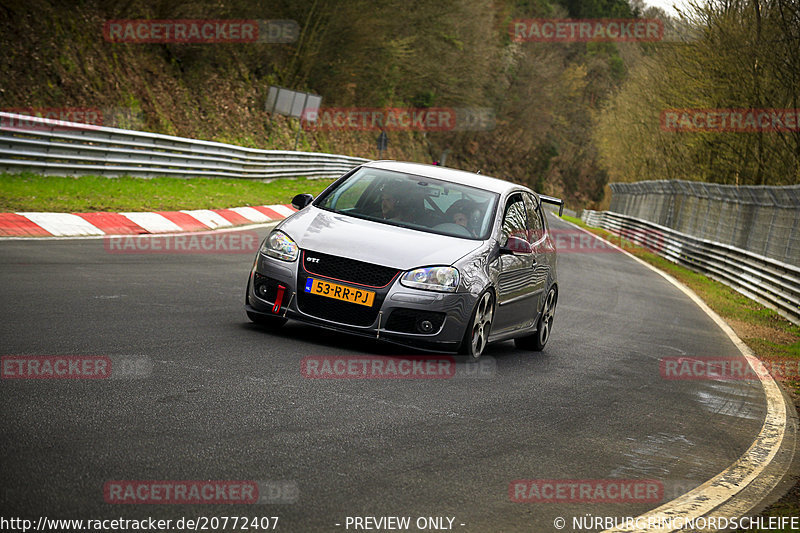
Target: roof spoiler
555, 201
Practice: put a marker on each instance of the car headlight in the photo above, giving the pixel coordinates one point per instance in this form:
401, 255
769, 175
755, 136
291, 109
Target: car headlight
441, 278
280, 246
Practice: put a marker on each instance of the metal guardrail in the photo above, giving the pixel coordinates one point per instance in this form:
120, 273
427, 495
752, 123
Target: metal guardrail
768, 281
762, 219
60, 148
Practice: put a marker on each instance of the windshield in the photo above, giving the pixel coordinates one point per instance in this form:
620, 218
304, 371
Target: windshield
414, 202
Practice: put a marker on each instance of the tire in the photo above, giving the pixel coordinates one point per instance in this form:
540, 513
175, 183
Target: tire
544, 327
480, 324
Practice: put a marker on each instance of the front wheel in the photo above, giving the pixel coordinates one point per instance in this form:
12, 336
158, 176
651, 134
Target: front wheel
544, 326
477, 335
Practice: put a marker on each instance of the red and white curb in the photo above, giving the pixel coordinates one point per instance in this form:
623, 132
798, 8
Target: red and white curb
31, 224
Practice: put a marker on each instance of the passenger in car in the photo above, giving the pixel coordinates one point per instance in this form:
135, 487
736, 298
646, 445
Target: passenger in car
465, 213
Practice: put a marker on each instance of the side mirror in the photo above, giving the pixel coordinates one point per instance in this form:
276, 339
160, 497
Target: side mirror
301, 200
516, 245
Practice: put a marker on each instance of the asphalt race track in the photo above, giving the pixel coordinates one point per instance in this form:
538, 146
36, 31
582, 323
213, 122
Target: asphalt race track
226, 400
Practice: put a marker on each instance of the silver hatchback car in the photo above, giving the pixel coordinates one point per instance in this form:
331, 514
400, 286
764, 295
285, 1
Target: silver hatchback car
419, 255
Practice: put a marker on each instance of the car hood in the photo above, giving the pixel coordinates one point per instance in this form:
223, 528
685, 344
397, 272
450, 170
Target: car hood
373, 242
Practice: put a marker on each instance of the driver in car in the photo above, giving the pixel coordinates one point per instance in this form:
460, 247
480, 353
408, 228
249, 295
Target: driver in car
395, 205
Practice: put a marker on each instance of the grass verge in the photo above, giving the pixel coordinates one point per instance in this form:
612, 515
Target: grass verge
33, 192
769, 335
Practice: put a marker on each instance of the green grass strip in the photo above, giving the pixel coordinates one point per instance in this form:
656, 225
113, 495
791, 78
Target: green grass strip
33, 192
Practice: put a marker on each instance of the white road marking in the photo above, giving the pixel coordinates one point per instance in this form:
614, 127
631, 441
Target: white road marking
282, 209
63, 224
251, 214
209, 218
728, 483
153, 222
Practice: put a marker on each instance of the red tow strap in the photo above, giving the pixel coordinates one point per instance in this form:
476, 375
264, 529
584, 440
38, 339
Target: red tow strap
278, 299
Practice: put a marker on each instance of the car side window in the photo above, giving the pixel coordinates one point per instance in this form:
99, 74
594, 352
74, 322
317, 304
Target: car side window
535, 223
514, 220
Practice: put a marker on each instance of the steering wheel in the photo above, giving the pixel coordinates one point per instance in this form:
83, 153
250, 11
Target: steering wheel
453, 228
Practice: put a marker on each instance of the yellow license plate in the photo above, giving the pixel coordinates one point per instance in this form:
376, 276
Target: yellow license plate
339, 292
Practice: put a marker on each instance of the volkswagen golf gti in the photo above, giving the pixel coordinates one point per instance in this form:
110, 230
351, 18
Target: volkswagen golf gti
419, 255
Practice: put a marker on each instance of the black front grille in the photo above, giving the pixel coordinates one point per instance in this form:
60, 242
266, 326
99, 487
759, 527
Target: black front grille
407, 320
337, 310
359, 272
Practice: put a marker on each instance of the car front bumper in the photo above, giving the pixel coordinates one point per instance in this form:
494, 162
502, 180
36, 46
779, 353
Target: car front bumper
397, 314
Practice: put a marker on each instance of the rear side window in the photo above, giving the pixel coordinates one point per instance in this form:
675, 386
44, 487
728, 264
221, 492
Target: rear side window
515, 220
535, 222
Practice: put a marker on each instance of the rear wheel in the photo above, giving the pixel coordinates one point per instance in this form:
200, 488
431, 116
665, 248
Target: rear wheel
544, 326
477, 335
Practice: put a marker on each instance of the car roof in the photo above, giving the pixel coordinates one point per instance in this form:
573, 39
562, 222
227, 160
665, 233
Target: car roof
479, 181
